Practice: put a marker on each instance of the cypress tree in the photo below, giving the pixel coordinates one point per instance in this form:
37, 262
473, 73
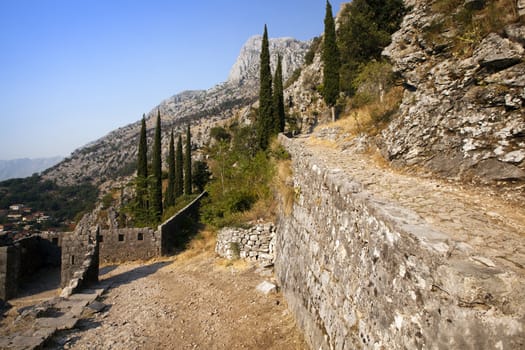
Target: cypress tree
169, 199
179, 184
264, 122
278, 98
156, 191
331, 61
142, 170
187, 163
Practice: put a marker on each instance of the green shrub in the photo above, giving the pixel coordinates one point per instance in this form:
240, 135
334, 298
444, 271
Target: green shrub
314, 48
241, 176
293, 78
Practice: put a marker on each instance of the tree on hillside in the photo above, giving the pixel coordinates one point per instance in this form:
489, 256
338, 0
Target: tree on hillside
200, 174
365, 30
265, 118
278, 98
331, 61
142, 172
179, 182
187, 163
169, 199
156, 190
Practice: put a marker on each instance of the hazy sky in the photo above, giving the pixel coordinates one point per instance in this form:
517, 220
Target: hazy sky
73, 70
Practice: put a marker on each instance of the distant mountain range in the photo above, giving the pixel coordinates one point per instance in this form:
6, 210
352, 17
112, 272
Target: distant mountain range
24, 167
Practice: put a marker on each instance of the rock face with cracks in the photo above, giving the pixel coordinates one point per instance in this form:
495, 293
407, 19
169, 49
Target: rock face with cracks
462, 115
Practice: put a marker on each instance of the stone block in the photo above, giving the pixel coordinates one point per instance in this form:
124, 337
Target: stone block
266, 288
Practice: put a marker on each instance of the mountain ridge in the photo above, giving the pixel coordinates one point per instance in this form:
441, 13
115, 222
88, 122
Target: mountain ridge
23, 167
114, 154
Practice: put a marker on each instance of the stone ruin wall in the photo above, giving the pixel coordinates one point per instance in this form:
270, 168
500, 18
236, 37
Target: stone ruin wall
83, 249
361, 273
255, 243
20, 260
80, 257
9, 267
128, 244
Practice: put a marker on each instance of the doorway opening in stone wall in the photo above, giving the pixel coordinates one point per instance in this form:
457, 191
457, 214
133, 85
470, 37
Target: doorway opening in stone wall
40, 268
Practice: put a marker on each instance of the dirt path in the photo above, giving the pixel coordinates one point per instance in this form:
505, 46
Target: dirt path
196, 303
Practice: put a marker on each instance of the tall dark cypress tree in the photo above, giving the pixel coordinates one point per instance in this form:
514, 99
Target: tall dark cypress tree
142, 172
331, 61
179, 183
265, 120
278, 98
156, 191
169, 198
187, 163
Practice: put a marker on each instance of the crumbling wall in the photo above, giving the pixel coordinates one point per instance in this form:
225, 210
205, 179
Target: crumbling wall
358, 272
22, 259
255, 243
9, 271
128, 244
80, 256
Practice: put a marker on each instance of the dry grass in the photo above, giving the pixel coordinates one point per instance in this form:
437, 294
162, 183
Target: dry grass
368, 119
284, 186
315, 141
471, 25
202, 245
238, 264
264, 209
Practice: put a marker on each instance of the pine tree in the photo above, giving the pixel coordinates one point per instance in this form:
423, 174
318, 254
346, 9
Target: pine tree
187, 163
142, 172
331, 61
278, 98
264, 122
169, 199
156, 191
179, 182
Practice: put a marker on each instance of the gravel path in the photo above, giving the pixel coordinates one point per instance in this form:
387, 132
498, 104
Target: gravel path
193, 304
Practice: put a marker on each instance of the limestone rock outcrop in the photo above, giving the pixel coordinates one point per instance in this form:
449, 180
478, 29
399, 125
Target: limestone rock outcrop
462, 115
246, 68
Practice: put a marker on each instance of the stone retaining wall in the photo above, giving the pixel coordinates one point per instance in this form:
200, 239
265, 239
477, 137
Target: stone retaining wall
255, 243
170, 230
363, 273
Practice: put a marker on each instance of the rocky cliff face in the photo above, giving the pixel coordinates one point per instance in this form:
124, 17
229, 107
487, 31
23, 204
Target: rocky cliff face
115, 154
462, 113
246, 68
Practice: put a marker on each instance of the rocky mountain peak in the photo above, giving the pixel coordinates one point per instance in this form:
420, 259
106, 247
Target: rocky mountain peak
245, 71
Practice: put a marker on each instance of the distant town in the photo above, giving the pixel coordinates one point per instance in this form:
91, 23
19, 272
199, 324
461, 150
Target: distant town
19, 221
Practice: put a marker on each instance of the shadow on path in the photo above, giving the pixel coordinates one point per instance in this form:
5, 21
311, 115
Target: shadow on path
106, 269
44, 280
134, 274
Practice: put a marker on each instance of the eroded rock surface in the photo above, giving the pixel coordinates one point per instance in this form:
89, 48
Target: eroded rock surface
462, 115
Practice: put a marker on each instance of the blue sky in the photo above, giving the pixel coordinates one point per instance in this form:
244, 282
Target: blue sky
73, 70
